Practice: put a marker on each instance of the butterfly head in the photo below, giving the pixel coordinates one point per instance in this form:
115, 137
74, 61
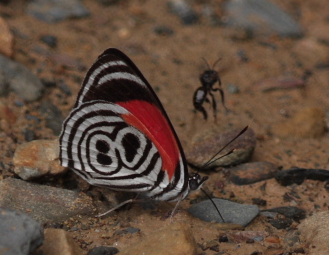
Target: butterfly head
195, 181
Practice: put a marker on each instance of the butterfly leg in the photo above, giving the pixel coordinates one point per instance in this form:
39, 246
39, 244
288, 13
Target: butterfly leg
175, 208
133, 200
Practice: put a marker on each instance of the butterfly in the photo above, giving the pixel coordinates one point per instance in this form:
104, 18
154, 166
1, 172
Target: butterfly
119, 136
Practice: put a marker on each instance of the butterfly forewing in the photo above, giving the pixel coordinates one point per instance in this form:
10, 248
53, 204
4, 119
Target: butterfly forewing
119, 136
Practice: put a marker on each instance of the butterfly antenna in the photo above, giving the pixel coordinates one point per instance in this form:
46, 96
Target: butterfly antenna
213, 158
212, 201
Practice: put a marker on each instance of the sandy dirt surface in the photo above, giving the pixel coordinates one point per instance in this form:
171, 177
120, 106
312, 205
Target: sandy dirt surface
172, 64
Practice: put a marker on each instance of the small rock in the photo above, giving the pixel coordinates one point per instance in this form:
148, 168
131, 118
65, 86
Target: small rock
249, 173
307, 123
211, 245
259, 201
6, 39
283, 82
184, 11
243, 236
299, 175
16, 74
280, 223
43, 203
64, 88
291, 212
210, 141
108, 2
50, 40
163, 30
37, 158
52, 11
7, 114
103, 250
261, 16
232, 89
4, 84
132, 230
311, 52
29, 135
57, 241
174, 238
231, 212
63, 60
53, 116
315, 233
19, 233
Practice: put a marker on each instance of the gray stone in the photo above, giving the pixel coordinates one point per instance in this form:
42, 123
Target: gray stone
231, 212
20, 79
53, 11
43, 203
53, 116
19, 233
261, 16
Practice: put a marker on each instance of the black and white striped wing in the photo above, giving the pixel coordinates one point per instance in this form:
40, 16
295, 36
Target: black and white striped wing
119, 136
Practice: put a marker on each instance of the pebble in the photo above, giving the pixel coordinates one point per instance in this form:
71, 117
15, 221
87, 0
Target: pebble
174, 238
29, 135
103, 250
50, 40
43, 203
261, 17
299, 175
53, 11
243, 236
282, 82
231, 212
6, 39
211, 245
315, 233
53, 117
58, 241
232, 88
163, 30
307, 123
291, 212
184, 11
16, 74
249, 173
311, 52
60, 59
108, 2
4, 84
37, 158
7, 114
19, 233
208, 142
280, 223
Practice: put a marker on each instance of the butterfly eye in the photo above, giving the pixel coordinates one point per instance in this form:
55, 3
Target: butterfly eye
195, 182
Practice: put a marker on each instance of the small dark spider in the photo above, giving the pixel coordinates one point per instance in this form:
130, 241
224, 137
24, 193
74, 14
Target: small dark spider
208, 78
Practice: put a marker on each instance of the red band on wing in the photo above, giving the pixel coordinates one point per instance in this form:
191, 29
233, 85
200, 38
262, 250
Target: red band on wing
149, 120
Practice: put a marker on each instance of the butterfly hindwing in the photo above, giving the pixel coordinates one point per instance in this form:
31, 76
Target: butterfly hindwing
118, 134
